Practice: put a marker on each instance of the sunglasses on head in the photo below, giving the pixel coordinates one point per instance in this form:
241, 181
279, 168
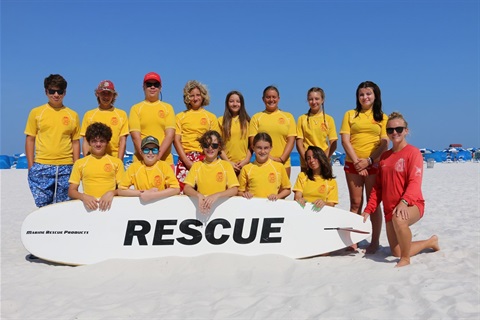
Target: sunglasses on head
59, 91
147, 150
397, 129
208, 145
155, 84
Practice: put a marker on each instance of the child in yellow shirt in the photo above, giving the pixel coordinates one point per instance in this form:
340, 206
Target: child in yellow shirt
264, 178
212, 178
98, 172
152, 178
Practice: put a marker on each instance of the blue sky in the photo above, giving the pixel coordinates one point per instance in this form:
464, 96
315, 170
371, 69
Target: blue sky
424, 55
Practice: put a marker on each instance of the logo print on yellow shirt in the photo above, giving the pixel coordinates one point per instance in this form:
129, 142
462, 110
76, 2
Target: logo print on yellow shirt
66, 120
114, 121
219, 177
321, 189
107, 167
157, 181
281, 121
271, 177
161, 114
203, 121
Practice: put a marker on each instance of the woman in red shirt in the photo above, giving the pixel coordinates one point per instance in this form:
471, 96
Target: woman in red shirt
398, 185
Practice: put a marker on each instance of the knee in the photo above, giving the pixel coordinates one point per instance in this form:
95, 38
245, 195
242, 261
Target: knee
399, 223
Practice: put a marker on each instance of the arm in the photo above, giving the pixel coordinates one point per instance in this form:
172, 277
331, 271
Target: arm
129, 192
299, 198
167, 141
177, 142
331, 149
288, 149
137, 141
301, 149
122, 145
282, 194
76, 150
383, 146
211, 199
30, 150
88, 201
153, 194
105, 201
85, 147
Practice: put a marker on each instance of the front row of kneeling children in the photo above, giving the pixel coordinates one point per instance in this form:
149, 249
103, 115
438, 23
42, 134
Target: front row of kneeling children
208, 180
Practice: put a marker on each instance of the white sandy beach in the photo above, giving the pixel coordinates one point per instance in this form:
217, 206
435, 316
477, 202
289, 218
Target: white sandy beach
440, 285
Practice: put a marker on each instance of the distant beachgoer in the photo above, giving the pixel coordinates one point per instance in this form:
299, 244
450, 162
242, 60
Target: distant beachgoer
264, 178
98, 172
152, 117
364, 139
52, 144
280, 125
317, 185
398, 187
316, 128
211, 178
113, 117
152, 178
191, 124
234, 126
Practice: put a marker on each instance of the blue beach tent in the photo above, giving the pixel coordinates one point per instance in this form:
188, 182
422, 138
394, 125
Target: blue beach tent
5, 162
22, 162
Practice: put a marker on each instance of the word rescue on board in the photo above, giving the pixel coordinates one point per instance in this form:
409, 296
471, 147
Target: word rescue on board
216, 231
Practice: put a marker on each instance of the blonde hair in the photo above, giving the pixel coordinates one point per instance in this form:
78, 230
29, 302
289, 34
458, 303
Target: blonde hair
192, 84
397, 115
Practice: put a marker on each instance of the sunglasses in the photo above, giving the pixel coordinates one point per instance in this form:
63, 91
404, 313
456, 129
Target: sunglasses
152, 84
208, 145
59, 91
397, 129
147, 150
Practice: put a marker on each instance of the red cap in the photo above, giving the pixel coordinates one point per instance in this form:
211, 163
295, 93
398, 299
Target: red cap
152, 76
105, 85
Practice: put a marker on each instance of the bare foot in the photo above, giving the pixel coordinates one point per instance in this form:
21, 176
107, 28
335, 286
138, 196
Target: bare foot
402, 263
372, 248
434, 243
353, 247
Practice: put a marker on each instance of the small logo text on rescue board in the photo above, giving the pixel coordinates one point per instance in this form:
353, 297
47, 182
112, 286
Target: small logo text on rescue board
56, 232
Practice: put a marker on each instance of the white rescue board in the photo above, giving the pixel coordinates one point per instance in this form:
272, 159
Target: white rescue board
69, 234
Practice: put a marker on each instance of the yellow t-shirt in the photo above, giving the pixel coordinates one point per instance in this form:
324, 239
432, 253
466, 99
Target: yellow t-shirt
142, 177
97, 174
115, 118
192, 124
152, 119
54, 130
279, 125
210, 178
323, 189
264, 179
365, 133
316, 130
237, 146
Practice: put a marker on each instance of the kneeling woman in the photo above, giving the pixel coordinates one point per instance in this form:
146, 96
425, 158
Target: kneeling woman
317, 185
212, 178
398, 186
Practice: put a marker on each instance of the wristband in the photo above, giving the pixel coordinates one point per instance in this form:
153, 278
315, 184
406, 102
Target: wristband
404, 201
370, 160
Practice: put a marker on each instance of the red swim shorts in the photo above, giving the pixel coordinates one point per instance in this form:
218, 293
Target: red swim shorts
350, 168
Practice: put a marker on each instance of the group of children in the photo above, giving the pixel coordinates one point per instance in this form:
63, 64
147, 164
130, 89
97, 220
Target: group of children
215, 155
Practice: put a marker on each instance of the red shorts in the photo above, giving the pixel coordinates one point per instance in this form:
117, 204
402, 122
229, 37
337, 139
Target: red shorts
420, 206
350, 168
181, 171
